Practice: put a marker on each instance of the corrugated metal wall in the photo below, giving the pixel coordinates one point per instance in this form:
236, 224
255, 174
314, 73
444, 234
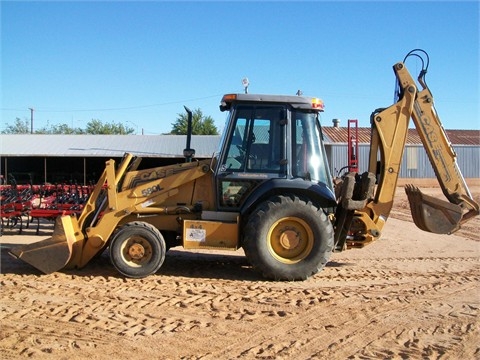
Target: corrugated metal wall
415, 163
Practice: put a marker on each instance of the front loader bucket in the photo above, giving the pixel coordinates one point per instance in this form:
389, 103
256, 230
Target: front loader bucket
54, 253
432, 214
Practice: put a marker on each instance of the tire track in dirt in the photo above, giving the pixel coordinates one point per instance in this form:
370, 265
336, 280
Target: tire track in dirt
402, 328
119, 312
357, 307
34, 336
405, 296
327, 294
348, 334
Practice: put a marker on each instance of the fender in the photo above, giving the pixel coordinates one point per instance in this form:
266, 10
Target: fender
319, 193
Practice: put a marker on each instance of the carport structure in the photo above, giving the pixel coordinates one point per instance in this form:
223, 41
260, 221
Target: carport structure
80, 159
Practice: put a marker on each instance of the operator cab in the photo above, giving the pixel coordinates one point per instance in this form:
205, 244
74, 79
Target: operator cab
269, 137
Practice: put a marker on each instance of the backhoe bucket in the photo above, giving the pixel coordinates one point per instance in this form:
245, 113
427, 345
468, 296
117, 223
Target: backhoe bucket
54, 253
432, 214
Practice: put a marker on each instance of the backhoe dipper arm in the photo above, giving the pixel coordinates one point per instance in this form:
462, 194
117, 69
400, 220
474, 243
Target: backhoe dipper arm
440, 152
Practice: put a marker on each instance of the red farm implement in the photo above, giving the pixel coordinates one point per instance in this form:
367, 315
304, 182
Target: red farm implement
21, 204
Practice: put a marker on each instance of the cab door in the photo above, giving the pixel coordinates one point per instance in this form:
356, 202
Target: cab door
254, 152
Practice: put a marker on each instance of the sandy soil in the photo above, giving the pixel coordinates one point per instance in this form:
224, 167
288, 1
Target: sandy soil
410, 295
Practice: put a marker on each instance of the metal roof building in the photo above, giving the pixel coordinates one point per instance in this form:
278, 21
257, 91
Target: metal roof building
415, 162
339, 135
81, 158
104, 145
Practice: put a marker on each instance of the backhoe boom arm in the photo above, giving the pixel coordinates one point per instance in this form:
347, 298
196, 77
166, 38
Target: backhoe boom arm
355, 226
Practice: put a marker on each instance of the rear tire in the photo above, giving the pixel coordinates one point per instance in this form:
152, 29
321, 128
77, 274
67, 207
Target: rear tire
137, 250
287, 238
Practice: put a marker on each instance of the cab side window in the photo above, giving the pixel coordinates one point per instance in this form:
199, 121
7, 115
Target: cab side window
257, 142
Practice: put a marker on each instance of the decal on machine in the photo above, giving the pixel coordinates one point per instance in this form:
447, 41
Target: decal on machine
149, 191
149, 175
196, 234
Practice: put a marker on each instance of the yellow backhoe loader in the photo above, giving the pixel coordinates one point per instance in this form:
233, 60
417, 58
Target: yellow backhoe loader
267, 190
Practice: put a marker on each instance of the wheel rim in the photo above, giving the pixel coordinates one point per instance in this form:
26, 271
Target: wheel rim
136, 251
290, 240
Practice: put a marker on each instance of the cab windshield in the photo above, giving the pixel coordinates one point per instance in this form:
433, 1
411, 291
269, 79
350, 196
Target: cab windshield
309, 158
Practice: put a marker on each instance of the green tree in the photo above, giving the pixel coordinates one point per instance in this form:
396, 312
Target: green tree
19, 127
201, 125
97, 127
60, 129
94, 127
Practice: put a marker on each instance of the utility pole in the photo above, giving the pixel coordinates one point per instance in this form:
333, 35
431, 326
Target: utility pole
31, 120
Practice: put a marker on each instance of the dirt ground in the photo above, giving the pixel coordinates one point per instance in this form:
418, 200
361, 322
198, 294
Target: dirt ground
410, 295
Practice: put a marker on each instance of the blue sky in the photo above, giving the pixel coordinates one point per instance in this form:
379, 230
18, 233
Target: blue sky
138, 63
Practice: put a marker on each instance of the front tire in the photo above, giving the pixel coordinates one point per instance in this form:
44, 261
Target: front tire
137, 250
287, 238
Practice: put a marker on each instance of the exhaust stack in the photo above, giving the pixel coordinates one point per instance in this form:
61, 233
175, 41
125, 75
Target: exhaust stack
189, 153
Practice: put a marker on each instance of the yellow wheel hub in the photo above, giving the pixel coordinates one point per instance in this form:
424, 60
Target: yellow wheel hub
136, 250
290, 240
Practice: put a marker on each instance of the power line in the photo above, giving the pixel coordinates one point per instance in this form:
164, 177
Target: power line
37, 109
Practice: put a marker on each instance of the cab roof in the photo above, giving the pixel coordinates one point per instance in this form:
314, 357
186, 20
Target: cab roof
300, 102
